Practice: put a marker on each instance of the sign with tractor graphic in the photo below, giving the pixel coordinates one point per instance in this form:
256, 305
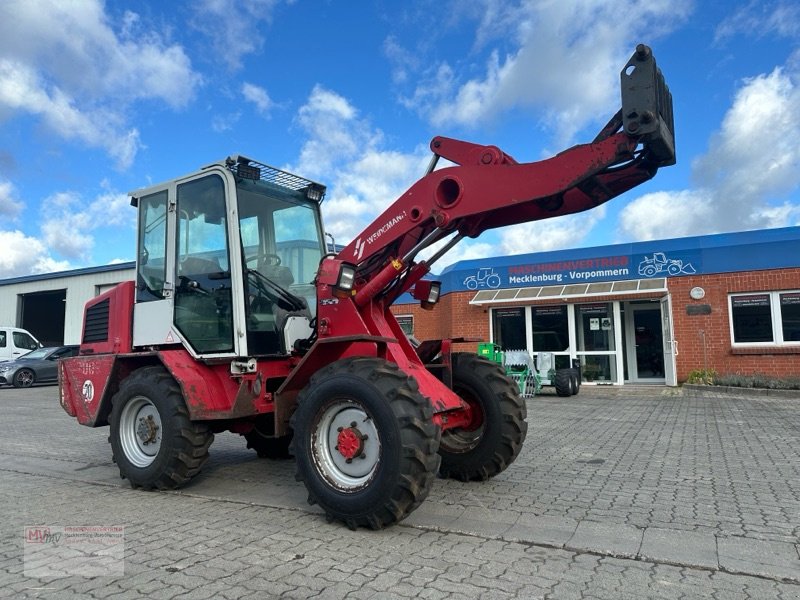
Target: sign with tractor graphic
659, 264
485, 277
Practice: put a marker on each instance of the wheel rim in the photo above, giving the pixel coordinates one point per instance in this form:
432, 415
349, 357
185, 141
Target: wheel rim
25, 378
140, 431
464, 439
345, 445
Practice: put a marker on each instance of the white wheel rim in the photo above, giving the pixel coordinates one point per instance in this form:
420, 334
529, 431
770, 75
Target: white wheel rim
140, 431
338, 420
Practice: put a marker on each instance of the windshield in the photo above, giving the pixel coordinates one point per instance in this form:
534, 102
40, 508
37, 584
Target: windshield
281, 237
40, 353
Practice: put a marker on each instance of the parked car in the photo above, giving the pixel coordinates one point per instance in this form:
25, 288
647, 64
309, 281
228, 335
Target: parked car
38, 366
16, 342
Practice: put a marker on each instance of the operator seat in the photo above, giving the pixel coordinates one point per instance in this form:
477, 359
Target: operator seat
195, 265
280, 274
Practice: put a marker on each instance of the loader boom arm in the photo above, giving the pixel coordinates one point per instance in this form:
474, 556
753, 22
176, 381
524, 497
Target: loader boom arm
488, 188
485, 189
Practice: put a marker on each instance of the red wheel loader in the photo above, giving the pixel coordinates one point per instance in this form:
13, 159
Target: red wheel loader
241, 320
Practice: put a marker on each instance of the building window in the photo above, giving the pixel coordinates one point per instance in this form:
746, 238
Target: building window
406, 323
509, 328
550, 328
790, 316
771, 318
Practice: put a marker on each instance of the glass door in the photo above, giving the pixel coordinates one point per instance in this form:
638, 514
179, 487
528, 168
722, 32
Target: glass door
597, 342
644, 342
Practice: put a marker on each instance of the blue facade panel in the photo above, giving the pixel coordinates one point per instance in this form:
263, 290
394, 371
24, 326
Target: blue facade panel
720, 253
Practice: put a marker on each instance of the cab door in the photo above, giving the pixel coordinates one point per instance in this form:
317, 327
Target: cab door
203, 297
188, 287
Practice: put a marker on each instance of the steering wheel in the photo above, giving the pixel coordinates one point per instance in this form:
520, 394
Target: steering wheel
265, 259
189, 285
270, 260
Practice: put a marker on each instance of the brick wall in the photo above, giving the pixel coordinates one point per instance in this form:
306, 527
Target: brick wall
704, 341
452, 317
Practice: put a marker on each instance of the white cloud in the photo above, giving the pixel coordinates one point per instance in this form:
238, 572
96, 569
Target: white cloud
667, 215
258, 96
9, 205
344, 150
761, 19
234, 27
225, 122
24, 255
745, 161
564, 60
550, 234
22, 91
69, 222
744, 178
66, 64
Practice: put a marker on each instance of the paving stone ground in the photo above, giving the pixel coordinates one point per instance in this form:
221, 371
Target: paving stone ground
633, 492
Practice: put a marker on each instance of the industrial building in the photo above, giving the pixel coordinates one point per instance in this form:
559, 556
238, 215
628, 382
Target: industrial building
645, 312
50, 306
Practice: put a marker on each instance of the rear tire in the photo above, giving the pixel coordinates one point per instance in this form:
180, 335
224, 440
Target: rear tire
488, 448
154, 443
563, 383
365, 442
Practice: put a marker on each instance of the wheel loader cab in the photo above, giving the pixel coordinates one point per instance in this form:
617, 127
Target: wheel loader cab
226, 261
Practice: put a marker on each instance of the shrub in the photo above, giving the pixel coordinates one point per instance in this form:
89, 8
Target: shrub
757, 380
702, 377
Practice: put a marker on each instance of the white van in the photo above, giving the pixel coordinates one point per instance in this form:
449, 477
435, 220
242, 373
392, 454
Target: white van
15, 343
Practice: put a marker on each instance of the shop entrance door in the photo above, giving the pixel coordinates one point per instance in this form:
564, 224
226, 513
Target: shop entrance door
645, 343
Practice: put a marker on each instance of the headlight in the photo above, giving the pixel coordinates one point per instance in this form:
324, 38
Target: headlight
4, 368
347, 275
433, 295
427, 292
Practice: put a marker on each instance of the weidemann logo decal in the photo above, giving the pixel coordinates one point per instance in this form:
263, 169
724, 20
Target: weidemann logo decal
375, 236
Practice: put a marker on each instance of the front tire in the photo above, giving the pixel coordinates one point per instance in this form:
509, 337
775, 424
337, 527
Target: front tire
575, 381
154, 443
492, 443
24, 378
364, 442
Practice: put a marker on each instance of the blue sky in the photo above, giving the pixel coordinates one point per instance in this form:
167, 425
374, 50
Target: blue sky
101, 98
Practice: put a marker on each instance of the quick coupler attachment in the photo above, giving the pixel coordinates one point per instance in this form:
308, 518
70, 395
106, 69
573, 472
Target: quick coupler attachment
647, 107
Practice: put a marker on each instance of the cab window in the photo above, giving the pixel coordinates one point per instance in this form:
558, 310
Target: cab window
23, 340
151, 263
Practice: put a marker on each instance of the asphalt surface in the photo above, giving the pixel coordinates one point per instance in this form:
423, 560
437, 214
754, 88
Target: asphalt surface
635, 492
